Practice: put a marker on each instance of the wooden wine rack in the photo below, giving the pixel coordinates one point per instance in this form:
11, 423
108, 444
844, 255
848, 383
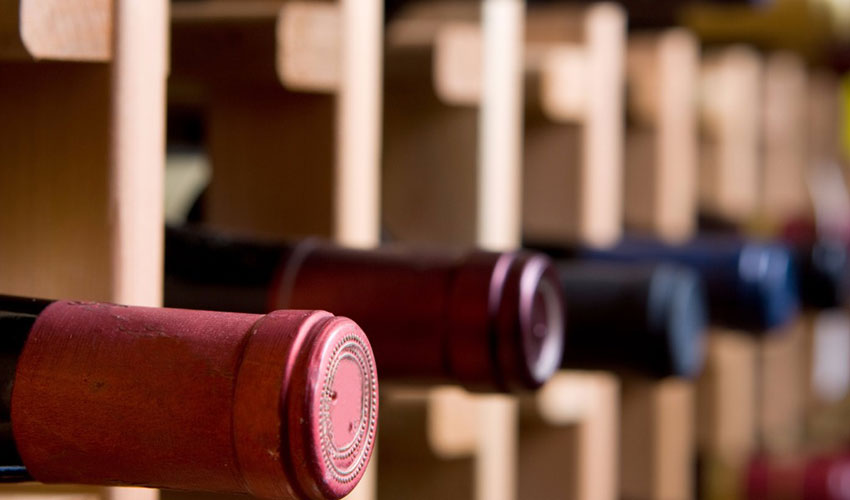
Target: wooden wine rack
455, 123
82, 154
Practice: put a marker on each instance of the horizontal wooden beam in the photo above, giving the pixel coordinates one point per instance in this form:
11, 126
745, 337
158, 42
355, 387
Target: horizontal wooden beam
296, 43
56, 30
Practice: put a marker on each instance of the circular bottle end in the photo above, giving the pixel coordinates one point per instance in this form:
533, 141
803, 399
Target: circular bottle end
678, 294
342, 408
542, 319
824, 273
317, 441
506, 321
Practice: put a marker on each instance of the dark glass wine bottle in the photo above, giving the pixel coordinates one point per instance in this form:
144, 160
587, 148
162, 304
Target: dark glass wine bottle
750, 285
643, 318
486, 320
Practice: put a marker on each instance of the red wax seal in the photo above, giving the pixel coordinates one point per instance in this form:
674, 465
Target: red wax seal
276, 406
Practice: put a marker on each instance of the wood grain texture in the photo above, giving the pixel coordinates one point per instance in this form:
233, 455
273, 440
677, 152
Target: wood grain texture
445, 115
83, 157
574, 144
56, 30
658, 435
569, 438
730, 116
726, 411
327, 58
425, 143
445, 442
658, 438
784, 192
450, 176
661, 142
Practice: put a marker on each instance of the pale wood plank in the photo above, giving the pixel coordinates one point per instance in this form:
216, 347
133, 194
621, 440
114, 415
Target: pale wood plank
784, 192
730, 112
661, 146
569, 437
329, 50
658, 438
500, 125
450, 171
574, 144
56, 30
83, 155
660, 198
726, 411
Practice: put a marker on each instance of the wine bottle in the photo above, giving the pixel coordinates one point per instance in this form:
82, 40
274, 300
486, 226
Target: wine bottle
750, 285
822, 476
282, 405
823, 262
639, 317
486, 320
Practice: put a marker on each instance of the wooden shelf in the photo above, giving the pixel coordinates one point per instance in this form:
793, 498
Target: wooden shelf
56, 30
254, 66
83, 158
573, 144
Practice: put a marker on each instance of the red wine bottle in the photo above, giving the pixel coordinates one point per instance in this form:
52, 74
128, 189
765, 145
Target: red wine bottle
486, 320
282, 405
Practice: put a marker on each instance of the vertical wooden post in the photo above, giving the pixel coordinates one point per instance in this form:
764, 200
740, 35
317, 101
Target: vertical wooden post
730, 112
658, 441
572, 192
451, 175
500, 124
784, 195
357, 220
83, 159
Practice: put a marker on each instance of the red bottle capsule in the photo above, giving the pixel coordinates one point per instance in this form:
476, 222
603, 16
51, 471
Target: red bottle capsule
282, 405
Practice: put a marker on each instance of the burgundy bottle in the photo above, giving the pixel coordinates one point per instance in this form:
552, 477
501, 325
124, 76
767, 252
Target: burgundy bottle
282, 405
819, 477
486, 320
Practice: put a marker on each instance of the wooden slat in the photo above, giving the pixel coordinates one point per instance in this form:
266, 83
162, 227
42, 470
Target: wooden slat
425, 142
658, 438
445, 113
784, 192
572, 192
657, 417
81, 185
451, 165
726, 412
661, 145
574, 143
782, 377
56, 30
730, 111
500, 125
568, 446
357, 218
250, 63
